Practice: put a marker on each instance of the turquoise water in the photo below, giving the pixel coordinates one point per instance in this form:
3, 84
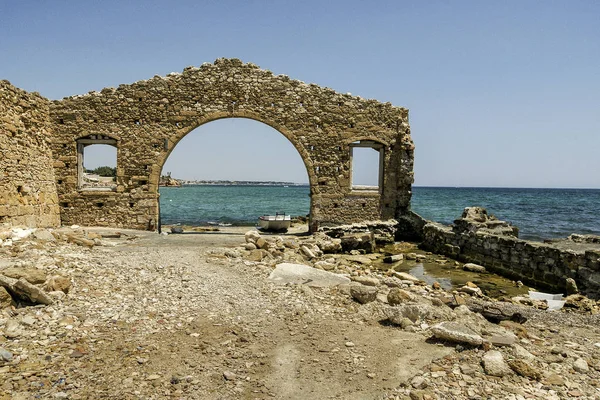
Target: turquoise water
237, 205
539, 213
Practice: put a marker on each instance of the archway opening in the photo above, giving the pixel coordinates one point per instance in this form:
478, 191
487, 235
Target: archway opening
228, 172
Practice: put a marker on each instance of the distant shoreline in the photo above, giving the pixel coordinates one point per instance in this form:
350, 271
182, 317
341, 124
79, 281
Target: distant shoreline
239, 183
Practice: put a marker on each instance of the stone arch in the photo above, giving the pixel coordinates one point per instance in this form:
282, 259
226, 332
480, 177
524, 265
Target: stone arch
151, 116
246, 115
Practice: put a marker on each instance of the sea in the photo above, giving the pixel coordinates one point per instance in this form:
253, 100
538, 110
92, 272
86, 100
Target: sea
539, 213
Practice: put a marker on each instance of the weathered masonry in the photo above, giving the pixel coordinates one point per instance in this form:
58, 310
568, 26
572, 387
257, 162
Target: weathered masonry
145, 120
27, 185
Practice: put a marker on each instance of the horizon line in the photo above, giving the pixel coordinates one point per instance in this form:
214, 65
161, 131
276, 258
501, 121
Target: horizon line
414, 186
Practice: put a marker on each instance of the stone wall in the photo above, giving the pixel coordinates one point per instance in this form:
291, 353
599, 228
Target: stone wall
494, 245
27, 185
146, 119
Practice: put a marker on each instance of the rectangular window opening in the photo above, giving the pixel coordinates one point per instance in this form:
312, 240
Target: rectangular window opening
367, 165
97, 163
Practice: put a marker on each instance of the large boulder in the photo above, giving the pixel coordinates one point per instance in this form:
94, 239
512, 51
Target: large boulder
300, 274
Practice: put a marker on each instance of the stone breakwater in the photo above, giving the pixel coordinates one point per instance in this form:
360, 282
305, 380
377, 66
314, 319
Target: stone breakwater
28, 194
479, 238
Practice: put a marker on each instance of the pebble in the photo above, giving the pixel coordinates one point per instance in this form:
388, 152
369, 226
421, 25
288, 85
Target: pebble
581, 366
5, 355
494, 364
229, 376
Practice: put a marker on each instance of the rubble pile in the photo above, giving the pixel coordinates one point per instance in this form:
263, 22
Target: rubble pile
128, 315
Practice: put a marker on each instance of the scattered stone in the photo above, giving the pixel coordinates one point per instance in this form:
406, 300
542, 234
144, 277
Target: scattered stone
494, 364
30, 274
474, 268
503, 340
229, 376
261, 243
250, 246
406, 276
399, 296
80, 241
44, 235
581, 366
58, 283
522, 354
252, 236
12, 329
418, 382
364, 260
525, 369
394, 258
5, 298
307, 252
358, 241
31, 293
325, 265
256, 255
456, 332
176, 229
366, 280
554, 379
328, 244
363, 294
405, 323
232, 254
571, 286
5, 355
473, 291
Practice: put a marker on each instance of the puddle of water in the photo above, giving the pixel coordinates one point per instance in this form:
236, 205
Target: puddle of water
450, 277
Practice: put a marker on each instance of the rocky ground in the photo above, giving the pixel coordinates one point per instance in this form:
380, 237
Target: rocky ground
209, 315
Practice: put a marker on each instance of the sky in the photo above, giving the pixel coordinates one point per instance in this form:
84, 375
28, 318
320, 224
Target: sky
500, 93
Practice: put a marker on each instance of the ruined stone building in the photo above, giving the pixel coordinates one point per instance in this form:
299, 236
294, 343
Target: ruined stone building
43, 143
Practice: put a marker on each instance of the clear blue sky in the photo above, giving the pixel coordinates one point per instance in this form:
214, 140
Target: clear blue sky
500, 93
